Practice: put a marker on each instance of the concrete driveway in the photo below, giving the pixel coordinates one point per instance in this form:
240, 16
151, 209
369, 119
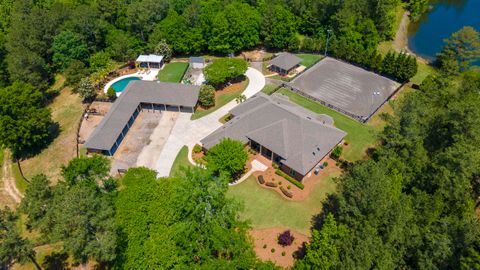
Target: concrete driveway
188, 132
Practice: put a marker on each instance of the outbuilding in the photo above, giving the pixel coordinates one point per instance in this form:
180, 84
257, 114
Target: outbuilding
197, 62
284, 63
150, 61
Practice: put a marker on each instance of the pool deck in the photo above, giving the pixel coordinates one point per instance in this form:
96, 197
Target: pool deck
141, 74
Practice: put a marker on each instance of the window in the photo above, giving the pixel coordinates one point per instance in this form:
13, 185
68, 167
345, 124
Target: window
292, 172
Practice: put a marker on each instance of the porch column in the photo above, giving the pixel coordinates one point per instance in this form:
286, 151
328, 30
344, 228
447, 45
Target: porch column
164, 107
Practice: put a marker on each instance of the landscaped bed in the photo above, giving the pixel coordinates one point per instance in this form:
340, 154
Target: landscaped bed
172, 72
223, 97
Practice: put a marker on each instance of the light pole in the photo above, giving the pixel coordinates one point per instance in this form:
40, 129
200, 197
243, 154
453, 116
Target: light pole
329, 31
374, 93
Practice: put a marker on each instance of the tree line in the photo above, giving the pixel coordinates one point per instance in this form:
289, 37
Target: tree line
413, 204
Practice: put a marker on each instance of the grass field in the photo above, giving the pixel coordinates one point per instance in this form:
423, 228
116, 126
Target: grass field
67, 110
360, 136
180, 161
172, 72
268, 89
221, 100
309, 60
424, 69
266, 209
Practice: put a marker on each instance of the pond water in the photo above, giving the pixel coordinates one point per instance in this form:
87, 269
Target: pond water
446, 17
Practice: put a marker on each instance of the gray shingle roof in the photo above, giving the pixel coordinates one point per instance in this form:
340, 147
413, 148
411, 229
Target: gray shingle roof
286, 61
136, 92
298, 135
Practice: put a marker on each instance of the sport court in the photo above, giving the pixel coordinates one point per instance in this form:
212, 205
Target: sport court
351, 90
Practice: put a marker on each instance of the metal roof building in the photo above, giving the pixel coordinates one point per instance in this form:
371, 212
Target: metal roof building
139, 95
282, 131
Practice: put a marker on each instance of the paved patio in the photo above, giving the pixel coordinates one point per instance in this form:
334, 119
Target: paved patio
188, 132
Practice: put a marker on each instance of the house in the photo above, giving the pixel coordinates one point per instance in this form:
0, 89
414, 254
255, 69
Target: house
150, 61
284, 63
289, 135
196, 62
139, 95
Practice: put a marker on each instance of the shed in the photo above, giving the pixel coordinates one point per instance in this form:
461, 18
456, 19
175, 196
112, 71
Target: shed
197, 62
150, 61
284, 63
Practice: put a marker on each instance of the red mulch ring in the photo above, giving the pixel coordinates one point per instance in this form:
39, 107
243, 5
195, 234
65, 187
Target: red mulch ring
268, 238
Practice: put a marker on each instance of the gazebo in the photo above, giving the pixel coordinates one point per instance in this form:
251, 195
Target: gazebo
150, 61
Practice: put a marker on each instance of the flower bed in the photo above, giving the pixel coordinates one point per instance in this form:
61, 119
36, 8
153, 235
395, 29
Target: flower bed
289, 178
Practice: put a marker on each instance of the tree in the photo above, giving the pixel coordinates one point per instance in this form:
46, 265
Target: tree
224, 69
25, 124
86, 89
13, 248
322, 252
82, 218
162, 48
122, 46
227, 158
286, 238
337, 152
206, 98
36, 202
278, 27
75, 72
195, 226
463, 47
93, 169
240, 99
67, 47
99, 61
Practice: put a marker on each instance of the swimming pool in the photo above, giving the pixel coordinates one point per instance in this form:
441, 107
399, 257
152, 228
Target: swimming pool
120, 85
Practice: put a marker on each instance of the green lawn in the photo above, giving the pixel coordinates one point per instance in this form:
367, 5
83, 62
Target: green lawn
220, 101
268, 89
424, 70
359, 136
266, 208
309, 60
180, 161
172, 72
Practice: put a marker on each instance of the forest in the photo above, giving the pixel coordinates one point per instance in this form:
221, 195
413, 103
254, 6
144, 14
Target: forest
411, 205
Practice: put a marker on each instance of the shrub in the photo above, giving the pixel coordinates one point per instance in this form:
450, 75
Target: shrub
206, 98
345, 143
271, 184
289, 187
325, 164
337, 152
289, 178
224, 69
283, 253
280, 183
197, 149
272, 250
285, 238
286, 192
111, 94
261, 180
265, 246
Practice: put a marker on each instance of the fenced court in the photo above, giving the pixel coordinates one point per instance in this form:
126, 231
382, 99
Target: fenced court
349, 89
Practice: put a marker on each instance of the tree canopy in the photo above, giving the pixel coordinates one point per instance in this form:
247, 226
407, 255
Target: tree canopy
224, 69
227, 158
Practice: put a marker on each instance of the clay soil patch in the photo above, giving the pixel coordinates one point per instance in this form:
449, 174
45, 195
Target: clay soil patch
310, 181
267, 239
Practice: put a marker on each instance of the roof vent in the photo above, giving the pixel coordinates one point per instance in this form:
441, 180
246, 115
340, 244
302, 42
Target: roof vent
313, 153
309, 118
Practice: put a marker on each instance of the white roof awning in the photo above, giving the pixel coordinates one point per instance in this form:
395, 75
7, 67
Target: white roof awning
151, 58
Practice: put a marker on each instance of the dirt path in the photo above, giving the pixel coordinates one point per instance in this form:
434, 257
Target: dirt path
9, 180
401, 38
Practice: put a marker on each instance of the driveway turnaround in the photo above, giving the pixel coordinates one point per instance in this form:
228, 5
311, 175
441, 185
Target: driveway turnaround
190, 132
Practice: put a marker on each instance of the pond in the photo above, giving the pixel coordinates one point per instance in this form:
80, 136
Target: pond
446, 17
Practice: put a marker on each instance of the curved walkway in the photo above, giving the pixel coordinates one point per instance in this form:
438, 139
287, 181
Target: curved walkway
10, 186
190, 132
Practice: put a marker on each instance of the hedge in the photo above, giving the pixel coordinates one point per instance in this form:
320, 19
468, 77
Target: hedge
286, 192
289, 178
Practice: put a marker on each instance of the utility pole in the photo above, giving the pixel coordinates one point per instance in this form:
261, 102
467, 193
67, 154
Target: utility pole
329, 31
